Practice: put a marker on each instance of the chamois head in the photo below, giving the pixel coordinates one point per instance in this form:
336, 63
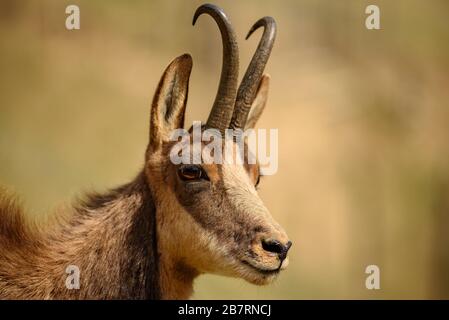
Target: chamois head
210, 217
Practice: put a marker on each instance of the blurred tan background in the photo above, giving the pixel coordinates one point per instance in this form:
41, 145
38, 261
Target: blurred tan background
363, 120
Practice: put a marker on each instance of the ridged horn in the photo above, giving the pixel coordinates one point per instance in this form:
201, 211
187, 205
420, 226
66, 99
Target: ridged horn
223, 107
250, 82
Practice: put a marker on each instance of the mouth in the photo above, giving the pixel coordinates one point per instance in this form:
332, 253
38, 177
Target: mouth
262, 270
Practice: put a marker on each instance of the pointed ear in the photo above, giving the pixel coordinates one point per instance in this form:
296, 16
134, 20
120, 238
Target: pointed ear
170, 99
259, 102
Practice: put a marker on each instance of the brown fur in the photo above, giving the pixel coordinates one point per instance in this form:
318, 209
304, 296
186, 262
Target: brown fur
111, 238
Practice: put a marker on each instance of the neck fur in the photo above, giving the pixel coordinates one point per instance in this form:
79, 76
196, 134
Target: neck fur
115, 241
148, 269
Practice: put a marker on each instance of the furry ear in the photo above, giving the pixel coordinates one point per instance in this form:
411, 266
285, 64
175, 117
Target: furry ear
259, 102
170, 99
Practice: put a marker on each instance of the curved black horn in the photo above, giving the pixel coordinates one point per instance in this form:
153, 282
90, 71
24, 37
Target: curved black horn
253, 75
221, 113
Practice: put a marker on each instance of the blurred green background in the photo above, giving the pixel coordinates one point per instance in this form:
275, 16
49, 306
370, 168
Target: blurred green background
363, 122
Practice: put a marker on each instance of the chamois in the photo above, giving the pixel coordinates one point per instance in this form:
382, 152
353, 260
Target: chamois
150, 238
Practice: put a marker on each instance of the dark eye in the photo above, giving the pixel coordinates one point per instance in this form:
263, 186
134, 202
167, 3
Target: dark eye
192, 173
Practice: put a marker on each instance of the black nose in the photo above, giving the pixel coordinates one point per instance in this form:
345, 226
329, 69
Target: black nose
275, 246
